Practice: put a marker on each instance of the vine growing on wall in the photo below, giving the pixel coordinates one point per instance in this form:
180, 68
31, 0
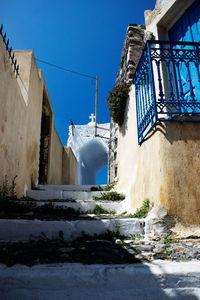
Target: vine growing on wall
117, 102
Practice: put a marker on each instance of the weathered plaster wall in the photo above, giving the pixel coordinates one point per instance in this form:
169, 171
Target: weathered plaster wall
163, 17
166, 167
32, 118
180, 152
56, 159
20, 123
19, 135
63, 165
69, 167
138, 167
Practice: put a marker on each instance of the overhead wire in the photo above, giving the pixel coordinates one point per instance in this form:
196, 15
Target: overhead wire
64, 69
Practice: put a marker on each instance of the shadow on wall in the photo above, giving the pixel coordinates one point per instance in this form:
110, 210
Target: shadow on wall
93, 157
176, 131
124, 127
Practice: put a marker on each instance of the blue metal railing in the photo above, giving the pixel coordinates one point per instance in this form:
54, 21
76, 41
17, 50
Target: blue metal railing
167, 84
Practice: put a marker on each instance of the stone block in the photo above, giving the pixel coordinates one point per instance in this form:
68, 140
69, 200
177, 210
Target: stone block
158, 223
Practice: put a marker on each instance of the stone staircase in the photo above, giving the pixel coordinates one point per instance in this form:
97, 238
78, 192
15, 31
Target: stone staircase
109, 269
80, 199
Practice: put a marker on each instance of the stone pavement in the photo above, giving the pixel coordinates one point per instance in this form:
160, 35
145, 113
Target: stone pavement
167, 248
148, 281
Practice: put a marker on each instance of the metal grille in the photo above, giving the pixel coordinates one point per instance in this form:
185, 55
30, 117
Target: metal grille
167, 84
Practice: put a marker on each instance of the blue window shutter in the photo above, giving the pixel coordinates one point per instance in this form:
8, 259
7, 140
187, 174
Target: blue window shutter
187, 29
194, 21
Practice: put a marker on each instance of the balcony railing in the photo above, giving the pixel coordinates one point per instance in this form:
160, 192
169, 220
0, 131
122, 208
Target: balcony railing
167, 84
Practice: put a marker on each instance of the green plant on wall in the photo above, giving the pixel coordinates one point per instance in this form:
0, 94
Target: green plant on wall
117, 102
143, 211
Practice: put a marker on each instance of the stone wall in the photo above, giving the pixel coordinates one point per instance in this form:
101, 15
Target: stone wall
113, 157
132, 49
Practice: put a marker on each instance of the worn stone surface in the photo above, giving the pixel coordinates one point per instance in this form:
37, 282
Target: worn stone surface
62, 194
158, 223
181, 231
98, 249
113, 155
160, 6
78, 197
166, 249
132, 50
101, 282
21, 230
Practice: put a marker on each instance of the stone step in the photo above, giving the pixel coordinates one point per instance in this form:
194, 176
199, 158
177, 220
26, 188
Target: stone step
56, 187
78, 205
161, 280
81, 205
23, 230
61, 195
117, 206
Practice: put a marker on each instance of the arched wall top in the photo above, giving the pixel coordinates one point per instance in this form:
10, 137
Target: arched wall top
91, 152
94, 154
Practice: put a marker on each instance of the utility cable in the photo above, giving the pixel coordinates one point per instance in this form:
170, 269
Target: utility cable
64, 69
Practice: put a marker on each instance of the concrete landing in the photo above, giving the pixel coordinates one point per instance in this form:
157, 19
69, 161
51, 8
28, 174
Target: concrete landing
149, 281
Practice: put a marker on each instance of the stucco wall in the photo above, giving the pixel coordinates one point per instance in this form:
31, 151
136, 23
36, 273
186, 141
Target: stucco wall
180, 153
21, 101
166, 167
138, 166
19, 121
32, 121
69, 167
163, 17
55, 159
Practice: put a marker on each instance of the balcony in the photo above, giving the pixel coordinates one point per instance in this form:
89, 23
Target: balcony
167, 84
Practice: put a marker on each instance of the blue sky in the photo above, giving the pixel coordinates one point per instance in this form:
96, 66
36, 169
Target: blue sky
84, 36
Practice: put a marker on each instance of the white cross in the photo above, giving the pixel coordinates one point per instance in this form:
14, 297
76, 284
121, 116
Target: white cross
92, 117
